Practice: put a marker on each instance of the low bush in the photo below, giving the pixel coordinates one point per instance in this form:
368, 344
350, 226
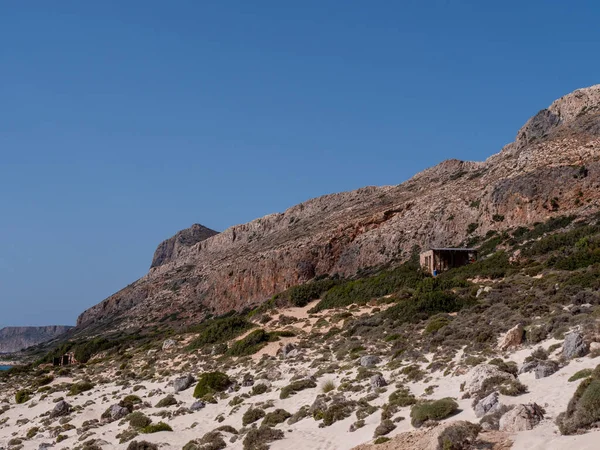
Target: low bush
218, 330
583, 410
385, 427
249, 344
259, 438
167, 401
22, 396
155, 428
583, 373
138, 420
432, 410
252, 415
458, 436
295, 387
211, 382
80, 387
275, 417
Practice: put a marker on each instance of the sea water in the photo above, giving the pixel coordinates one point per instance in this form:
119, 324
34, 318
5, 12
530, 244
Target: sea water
4, 367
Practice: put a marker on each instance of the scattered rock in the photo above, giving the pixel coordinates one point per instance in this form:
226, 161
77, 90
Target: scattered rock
197, 405
62, 408
479, 374
183, 383
513, 338
115, 412
528, 367
377, 381
574, 346
487, 405
168, 344
370, 361
545, 369
521, 418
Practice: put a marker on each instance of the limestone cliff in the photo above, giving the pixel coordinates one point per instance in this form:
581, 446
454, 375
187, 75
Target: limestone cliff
13, 339
552, 168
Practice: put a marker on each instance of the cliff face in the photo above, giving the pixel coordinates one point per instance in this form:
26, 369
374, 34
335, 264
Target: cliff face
170, 249
13, 339
552, 168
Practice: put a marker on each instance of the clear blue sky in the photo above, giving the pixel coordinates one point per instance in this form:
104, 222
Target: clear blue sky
122, 122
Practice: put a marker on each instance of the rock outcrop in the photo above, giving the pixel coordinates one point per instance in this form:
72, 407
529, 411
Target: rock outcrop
13, 339
521, 418
552, 169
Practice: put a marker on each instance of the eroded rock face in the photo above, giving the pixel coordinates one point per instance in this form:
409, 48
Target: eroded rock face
553, 157
521, 418
170, 249
574, 346
479, 374
513, 338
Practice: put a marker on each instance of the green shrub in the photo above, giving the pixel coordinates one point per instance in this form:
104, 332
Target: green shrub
167, 401
295, 387
402, 397
32, 432
155, 428
303, 294
385, 427
259, 438
328, 386
432, 410
275, 417
381, 440
583, 373
259, 389
138, 420
436, 324
211, 382
252, 415
218, 330
337, 411
458, 436
249, 344
43, 381
583, 409
362, 290
22, 396
80, 387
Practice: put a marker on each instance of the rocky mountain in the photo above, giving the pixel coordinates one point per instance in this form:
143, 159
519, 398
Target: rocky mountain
13, 339
552, 168
170, 249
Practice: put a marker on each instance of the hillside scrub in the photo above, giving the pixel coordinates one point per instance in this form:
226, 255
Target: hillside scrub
432, 410
362, 290
218, 330
211, 382
583, 409
249, 344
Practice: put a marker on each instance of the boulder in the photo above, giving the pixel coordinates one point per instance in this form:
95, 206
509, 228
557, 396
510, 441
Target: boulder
521, 418
286, 349
513, 338
545, 369
528, 367
479, 374
197, 405
574, 346
62, 408
168, 344
115, 412
183, 383
45, 446
377, 381
487, 405
370, 361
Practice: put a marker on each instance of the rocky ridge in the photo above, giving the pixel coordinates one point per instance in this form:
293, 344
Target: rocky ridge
13, 339
552, 168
